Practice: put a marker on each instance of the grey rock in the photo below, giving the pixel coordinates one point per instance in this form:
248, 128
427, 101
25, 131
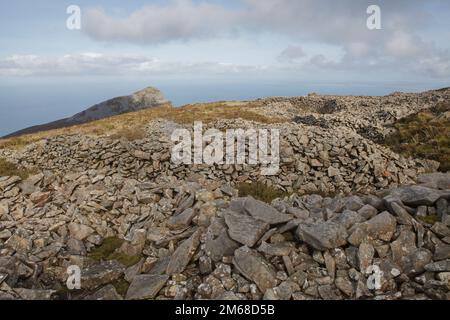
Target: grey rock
437, 180
382, 227
440, 266
107, 293
415, 263
323, 236
145, 287
441, 229
367, 212
80, 231
100, 274
442, 207
441, 252
245, 229
182, 220
183, 254
348, 218
417, 195
34, 294
221, 246
446, 219
76, 247
329, 292
366, 253
353, 203
255, 268
345, 285
277, 249
403, 217
237, 205
403, 246
19, 244
262, 211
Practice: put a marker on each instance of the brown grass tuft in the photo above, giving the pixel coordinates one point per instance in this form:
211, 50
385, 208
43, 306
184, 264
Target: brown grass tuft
8, 169
260, 191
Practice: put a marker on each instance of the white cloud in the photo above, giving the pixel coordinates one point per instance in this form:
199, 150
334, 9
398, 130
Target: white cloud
92, 64
403, 44
291, 54
179, 20
327, 22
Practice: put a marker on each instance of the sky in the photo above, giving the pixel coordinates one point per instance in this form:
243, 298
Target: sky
199, 50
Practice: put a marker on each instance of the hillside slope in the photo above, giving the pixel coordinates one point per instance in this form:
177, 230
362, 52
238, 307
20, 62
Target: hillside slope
143, 99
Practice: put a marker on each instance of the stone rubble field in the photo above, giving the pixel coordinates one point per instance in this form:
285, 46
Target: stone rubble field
140, 227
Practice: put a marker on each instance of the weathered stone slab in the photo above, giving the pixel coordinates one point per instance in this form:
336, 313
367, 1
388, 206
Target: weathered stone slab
146, 286
264, 212
255, 268
183, 254
323, 235
245, 229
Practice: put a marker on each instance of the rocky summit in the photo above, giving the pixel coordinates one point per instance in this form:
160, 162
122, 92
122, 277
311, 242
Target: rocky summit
353, 220
146, 98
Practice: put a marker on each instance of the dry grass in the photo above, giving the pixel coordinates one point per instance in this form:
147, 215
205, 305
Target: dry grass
260, 191
425, 135
8, 169
131, 125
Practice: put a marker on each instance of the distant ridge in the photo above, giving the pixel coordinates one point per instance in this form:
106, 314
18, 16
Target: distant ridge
147, 98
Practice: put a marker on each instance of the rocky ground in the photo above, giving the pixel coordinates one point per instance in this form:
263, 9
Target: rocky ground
140, 227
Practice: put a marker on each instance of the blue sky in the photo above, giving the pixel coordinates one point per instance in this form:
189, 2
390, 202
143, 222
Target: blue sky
213, 50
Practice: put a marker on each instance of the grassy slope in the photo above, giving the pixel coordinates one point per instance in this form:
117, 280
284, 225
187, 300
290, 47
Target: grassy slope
425, 135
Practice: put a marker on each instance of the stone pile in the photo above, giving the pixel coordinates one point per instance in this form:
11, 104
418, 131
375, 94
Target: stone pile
313, 159
196, 240
360, 113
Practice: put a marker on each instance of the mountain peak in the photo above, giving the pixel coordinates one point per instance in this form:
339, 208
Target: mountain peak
149, 97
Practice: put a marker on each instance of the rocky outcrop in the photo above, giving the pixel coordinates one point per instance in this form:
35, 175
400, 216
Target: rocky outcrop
146, 98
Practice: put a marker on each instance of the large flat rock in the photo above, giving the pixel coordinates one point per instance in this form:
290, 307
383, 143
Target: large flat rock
245, 229
146, 286
323, 235
255, 268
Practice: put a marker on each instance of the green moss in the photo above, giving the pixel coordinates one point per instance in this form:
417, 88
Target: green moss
108, 251
429, 219
260, 191
121, 286
124, 259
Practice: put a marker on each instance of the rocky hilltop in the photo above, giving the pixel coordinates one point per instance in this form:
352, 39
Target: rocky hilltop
352, 220
146, 98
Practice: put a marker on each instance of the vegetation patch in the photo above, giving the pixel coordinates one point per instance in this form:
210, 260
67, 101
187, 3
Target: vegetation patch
121, 285
425, 135
260, 191
130, 133
10, 169
108, 251
429, 219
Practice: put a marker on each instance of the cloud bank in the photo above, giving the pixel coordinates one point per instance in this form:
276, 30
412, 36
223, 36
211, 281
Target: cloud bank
337, 23
91, 64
